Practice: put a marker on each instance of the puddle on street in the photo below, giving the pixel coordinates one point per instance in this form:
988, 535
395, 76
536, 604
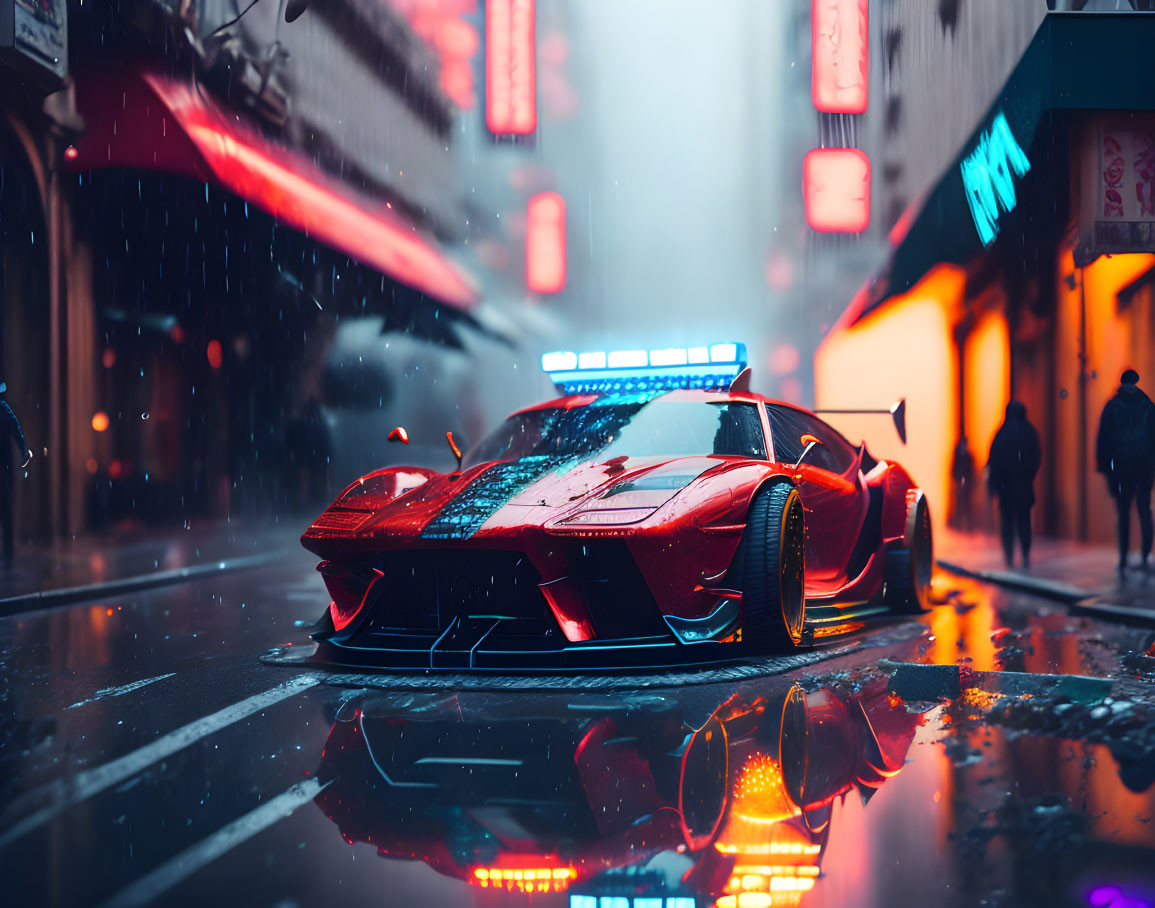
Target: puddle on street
762, 794
988, 629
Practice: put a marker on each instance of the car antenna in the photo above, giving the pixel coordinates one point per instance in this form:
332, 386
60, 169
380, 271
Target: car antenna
897, 412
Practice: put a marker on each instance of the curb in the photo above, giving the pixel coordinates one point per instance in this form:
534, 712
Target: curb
1080, 601
44, 599
1102, 607
1048, 589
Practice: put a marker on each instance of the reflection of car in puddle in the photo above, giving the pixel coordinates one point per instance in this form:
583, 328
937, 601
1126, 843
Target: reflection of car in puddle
788, 761
603, 798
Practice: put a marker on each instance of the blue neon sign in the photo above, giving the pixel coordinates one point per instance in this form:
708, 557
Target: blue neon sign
988, 175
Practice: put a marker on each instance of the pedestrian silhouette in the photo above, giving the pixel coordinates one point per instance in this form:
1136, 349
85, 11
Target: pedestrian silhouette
11, 432
1125, 454
1012, 465
962, 471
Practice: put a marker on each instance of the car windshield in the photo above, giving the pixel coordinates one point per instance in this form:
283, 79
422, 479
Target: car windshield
658, 428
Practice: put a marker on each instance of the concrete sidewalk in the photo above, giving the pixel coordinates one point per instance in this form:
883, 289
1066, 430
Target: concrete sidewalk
139, 557
1081, 575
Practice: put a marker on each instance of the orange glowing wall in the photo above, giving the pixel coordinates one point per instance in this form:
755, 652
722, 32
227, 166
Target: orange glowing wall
987, 375
905, 349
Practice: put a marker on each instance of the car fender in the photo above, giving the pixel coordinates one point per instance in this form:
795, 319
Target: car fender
743, 482
897, 488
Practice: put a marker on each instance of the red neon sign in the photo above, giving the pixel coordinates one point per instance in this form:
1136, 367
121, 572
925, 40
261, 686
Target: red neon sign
836, 189
510, 87
839, 77
545, 243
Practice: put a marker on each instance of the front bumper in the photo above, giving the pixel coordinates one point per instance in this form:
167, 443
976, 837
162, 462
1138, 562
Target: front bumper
475, 608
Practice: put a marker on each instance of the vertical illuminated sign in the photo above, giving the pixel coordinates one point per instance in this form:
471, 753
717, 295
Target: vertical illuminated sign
839, 77
510, 83
836, 190
988, 175
545, 243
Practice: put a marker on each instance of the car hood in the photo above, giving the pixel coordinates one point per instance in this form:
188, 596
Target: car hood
533, 489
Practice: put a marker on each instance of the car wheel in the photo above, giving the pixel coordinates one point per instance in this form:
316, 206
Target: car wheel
774, 570
909, 568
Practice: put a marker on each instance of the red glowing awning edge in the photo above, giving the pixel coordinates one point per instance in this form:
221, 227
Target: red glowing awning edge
140, 118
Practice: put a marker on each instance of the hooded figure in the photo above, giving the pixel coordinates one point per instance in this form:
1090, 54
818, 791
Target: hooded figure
1014, 461
1125, 454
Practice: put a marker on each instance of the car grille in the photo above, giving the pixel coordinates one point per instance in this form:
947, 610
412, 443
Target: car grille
424, 591
619, 601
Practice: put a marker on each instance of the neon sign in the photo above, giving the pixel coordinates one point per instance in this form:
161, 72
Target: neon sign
836, 190
988, 175
510, 60
838, 34
545, 243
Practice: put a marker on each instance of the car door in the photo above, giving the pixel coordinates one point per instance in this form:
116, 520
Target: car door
834, 496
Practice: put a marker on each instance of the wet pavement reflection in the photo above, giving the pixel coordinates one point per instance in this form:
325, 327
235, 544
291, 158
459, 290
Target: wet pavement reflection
584, 796
817, 786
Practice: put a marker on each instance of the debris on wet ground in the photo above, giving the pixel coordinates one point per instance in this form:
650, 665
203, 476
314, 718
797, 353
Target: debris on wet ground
1044, 825
923, 681
920, 681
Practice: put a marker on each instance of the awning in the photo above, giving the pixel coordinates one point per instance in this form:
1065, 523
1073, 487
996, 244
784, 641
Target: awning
142, 119
1076, 61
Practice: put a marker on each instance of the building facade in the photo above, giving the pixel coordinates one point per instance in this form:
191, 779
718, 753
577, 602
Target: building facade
192, 202
1024, 273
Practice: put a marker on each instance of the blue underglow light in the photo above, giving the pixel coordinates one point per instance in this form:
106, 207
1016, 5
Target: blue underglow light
988, 175
645, 372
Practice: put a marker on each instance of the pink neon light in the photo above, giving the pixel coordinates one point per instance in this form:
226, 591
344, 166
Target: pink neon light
511, 93
303, 200
836, 189
839, 77
172, 128
545, 243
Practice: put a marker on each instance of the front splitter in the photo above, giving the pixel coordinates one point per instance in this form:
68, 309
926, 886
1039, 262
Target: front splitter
342, 673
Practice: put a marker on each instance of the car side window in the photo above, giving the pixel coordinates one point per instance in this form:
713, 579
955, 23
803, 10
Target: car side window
786, 431
739, 431
787, 426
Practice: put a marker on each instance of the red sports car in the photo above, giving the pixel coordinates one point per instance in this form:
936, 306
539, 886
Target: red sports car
657, 513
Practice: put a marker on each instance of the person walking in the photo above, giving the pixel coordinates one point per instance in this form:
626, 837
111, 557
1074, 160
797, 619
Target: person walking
1012, 466
962, 471
11, 432
1125, 455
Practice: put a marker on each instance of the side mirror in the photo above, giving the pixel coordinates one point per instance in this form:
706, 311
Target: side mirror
399, 434
809, 443
453, 447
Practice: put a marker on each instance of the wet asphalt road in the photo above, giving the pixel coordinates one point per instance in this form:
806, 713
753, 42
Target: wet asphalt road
148, 757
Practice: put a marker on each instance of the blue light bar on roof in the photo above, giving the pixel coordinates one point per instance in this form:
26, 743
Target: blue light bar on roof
617, 371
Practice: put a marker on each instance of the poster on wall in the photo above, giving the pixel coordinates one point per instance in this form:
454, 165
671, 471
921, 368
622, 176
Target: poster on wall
1118, 193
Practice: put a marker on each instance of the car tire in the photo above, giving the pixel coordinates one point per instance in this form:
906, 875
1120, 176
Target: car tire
774, 570
909, 567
